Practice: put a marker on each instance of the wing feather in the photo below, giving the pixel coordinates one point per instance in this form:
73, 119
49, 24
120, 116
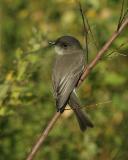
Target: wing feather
65, 79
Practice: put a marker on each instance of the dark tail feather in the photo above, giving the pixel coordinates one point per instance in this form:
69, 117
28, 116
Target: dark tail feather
82, 118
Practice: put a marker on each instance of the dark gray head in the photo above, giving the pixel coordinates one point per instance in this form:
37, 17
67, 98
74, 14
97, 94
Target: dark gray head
66, 45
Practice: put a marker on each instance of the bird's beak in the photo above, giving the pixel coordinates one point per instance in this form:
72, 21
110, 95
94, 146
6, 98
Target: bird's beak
52, 43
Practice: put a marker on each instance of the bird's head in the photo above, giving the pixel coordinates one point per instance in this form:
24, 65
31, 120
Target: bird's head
66, 45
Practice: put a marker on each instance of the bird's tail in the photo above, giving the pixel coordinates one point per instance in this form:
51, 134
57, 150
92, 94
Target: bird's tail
83, 120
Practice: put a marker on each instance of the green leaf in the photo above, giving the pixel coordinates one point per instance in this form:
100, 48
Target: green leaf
114, 79
4, 88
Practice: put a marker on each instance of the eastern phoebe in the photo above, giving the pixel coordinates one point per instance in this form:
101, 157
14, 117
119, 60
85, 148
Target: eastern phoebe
67, 70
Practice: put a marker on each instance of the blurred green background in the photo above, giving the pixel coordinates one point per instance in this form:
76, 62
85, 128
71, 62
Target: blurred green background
26, 101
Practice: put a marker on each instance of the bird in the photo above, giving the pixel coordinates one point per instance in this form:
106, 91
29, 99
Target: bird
67, 70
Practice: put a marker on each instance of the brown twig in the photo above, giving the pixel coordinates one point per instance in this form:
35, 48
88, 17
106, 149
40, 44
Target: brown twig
87, 70
117, 50
43, 136
102, 51
91, 106
85, 29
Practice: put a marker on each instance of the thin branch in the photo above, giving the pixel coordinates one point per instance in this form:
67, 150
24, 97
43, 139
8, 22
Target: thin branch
92, 106
121, 15
84, 27
117, 51
43, 136
124, 16
87, 29
90, 30
88, 69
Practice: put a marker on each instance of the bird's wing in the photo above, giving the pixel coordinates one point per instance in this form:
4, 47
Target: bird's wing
64, 85
65, 88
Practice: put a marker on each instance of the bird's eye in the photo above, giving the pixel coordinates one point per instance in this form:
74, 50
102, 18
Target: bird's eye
65, 45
